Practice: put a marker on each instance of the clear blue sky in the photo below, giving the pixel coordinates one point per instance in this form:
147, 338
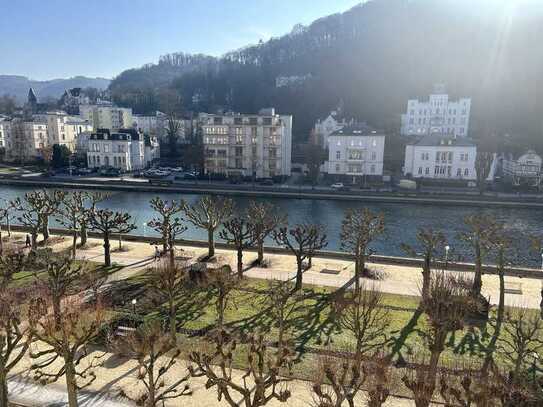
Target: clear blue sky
45, 39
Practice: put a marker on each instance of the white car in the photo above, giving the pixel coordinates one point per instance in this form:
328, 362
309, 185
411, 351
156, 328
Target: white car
337, 185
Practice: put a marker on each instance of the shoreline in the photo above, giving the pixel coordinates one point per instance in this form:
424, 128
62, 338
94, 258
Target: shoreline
278, 192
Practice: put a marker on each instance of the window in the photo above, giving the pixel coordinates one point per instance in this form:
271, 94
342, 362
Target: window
466, 172
422, 156
338, 155
411, 121
459, 172
372, 169
427, 172
438, 154
337, 168
253, 120
267, 121
420, 170
239, 139
373, 155
217, 120
239, 163
106, 148
238, 151
238, 120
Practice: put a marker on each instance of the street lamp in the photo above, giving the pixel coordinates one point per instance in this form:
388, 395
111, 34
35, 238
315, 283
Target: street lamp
447, 248
144, 229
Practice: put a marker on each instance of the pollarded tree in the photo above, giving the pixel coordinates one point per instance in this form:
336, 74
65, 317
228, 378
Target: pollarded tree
483, 163
91, 200
304, 240
222, 282
108, 223
11, 263
359, 229
480, 231
363, 315
446, 306
72, 215
209, 213
238, 232
156, 355
7, 212
263, 380
30, 216
64, 325
14, 334
282, 305
432, 244
51, 203
168, 223
168, 283
264, 219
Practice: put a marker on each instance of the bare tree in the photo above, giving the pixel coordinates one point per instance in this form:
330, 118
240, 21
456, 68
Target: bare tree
263, 379
479, 236
156, 355
72, 215
264, 219
30, 217
168, 284
51, 203
359, 229
238, 232
282, 305
222, 281
7, 213
431, 243
64, 325
446, 306
91, 200
168, 223
11, 263
209, 213
364, 316
521, 341
108, 223
14, 335
470, 389
303, 241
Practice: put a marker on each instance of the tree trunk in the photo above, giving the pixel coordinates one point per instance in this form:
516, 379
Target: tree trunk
240, 263
260, 247
84, 234
74, 244
107, 254
151, 375
8, 226
173, 325
3, 389
120, 242
477, 278
211, 243
299, 274
71, 384
34, 240
45, 228
426, 275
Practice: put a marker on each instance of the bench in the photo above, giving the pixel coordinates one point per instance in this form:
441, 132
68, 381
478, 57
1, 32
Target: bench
330, 271
513, 288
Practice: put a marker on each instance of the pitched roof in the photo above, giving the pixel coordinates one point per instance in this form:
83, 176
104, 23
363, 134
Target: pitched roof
359, 129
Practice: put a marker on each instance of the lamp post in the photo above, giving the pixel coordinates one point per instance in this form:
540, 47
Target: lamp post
447, 248
144, 229
134, 302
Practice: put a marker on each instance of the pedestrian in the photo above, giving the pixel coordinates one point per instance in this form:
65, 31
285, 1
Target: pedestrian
27, 241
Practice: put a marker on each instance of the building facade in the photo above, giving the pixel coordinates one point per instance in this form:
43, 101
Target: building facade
26, 140
356, 154
438, 115
64, 130
243, 145
127, 150
441, 157
523, 170
107, 116
325, 127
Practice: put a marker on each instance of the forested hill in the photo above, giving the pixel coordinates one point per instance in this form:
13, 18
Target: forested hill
372, 57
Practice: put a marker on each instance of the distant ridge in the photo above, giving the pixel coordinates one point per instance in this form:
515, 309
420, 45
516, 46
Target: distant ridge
17, 86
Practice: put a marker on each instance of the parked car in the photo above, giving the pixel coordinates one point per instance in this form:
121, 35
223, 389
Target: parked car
337, 185
266, 181
85, 171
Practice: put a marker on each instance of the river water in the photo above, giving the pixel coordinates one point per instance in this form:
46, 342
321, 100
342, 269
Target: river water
401, 220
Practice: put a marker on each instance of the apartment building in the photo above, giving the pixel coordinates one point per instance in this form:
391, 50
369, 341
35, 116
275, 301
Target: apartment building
126, 149
4, 130
355, 154
247, 145
438, 115
439, 157
25, 140
107, 116
63, 129
325, 127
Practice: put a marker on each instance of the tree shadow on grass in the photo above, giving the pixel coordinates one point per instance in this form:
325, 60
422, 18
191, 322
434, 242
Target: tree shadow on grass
398, 342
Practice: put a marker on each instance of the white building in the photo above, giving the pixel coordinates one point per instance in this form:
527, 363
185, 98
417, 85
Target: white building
355, 154
247, 145
107, 116
4, 130
323, 128
128, 150
438, 115
63, 129
441, 157
524, 170
26, 140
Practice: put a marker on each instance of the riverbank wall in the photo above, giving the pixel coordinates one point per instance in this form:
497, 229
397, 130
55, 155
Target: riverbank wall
282, 192
522, 272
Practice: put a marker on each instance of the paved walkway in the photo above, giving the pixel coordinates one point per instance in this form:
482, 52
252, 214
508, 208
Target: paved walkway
403, 280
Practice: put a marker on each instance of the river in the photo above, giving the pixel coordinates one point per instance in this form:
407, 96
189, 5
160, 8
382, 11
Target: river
401, 220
